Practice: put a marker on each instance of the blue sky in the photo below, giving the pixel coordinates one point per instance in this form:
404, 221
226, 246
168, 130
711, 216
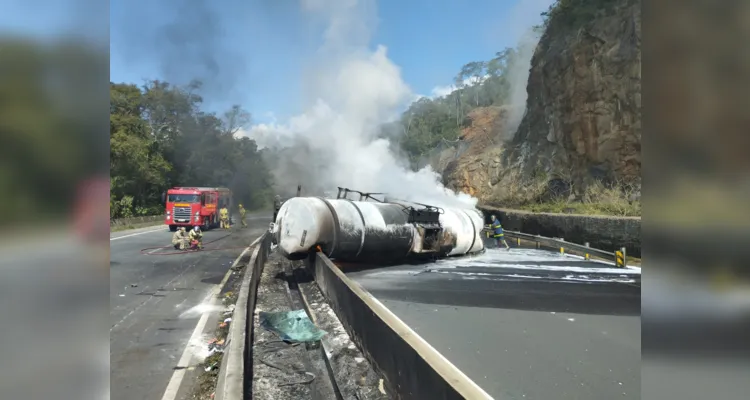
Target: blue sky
263, 46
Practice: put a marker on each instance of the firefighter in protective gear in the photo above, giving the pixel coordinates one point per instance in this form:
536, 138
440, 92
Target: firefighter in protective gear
224, 215
497, 232
242, 216
196, 238
180, 239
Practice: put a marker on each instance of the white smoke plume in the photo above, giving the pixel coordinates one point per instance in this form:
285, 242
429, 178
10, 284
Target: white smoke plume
518, 76
519, 23
352, 90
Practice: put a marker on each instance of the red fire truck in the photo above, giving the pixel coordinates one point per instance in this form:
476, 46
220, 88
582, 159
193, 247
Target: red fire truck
196, 206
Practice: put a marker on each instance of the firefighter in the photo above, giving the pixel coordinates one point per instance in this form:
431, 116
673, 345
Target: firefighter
276, 206
196, 238
242, 216
180, 239
224, 215
497, 232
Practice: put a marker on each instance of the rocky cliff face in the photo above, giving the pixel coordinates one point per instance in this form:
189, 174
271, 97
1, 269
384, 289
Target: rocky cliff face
583, 114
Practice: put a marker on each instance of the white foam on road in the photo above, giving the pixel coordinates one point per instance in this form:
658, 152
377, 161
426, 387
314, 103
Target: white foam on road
570, 278
525, 258
200, 309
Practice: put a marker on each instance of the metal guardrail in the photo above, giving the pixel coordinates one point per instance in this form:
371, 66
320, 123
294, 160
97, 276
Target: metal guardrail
233, 382
619, 256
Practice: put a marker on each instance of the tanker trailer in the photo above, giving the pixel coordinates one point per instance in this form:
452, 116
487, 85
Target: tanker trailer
375, 231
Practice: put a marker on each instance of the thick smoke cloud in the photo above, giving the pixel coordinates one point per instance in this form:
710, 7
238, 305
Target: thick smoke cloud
353, 91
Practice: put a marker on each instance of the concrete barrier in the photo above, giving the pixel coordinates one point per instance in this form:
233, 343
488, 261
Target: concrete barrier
411, 368
603, 232
233, 383
135, 220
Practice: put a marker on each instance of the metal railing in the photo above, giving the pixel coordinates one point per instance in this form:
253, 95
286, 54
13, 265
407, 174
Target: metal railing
619, 256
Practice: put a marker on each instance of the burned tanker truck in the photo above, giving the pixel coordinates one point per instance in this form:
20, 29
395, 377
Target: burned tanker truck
372, 230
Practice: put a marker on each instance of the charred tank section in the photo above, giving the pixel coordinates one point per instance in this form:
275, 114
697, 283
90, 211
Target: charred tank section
374, 230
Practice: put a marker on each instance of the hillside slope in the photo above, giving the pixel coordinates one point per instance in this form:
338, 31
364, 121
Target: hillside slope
582, 126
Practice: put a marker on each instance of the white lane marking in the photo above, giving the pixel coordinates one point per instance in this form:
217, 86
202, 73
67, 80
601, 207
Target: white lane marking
130, 313
255, 241
176, 381
136, 234
178, 375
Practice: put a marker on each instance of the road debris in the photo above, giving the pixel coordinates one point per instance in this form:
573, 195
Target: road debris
291, 326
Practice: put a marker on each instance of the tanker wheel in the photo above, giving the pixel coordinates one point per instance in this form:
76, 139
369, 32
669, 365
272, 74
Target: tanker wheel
206, 224
173, 228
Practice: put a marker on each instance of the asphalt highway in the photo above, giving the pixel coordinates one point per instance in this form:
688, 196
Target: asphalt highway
524, 324
156, 301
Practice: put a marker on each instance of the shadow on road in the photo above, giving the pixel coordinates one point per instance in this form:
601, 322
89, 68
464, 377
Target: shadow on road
598, 299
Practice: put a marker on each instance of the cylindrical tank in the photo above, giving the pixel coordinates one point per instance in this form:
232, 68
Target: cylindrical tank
358, 230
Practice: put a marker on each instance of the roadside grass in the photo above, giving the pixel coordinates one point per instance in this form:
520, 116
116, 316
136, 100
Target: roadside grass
593, 208
118, 228
533, 195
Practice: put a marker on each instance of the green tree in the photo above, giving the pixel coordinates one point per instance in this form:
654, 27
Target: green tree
160, 138
428, 123
137, 168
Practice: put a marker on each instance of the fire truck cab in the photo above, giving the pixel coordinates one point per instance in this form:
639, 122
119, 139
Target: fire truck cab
195, 206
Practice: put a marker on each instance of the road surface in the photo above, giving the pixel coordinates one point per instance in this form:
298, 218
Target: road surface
524, 324
156, 302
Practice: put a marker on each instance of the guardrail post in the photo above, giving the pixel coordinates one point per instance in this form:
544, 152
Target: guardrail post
624, 257
620, 258
587, 254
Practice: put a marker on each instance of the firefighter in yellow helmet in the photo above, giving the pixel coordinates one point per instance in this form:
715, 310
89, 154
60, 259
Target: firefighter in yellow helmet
224, 215
196, 238
242, 216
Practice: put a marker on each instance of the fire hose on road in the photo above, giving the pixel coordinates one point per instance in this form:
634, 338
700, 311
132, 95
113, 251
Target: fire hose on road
149, 251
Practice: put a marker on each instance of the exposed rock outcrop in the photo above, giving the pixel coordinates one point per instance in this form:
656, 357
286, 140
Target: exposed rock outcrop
583, 114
